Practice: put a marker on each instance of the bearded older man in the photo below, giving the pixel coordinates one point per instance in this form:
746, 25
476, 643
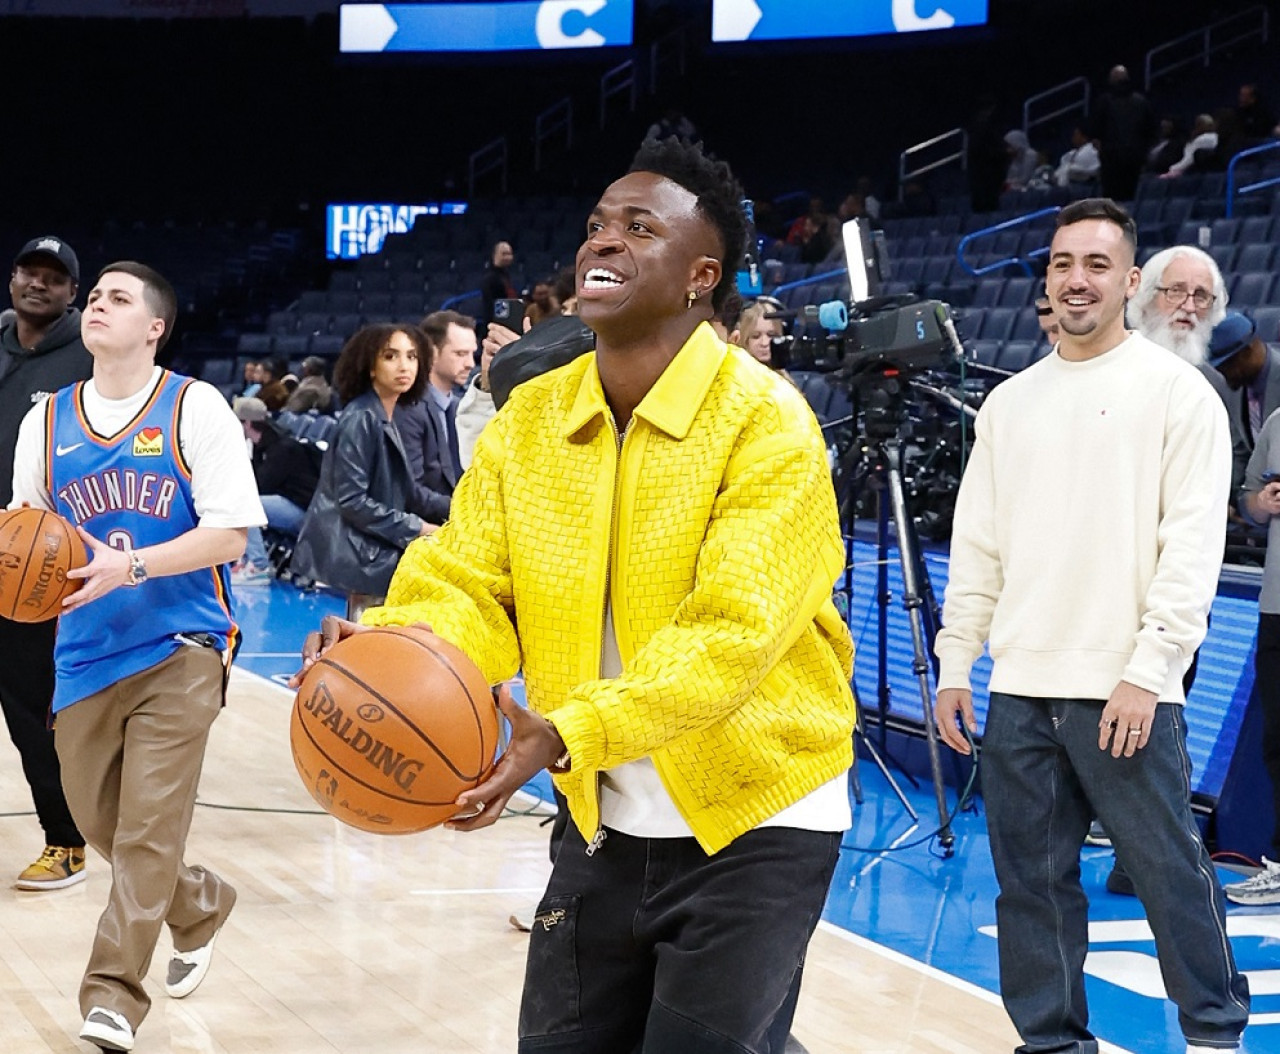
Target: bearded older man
1180, 298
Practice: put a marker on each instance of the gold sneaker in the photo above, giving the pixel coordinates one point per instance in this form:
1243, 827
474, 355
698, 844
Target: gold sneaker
58, 867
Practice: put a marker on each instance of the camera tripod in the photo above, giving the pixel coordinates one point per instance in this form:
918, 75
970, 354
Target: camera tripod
881, 458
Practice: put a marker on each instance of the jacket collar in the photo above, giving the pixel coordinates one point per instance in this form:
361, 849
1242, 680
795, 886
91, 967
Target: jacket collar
675, 398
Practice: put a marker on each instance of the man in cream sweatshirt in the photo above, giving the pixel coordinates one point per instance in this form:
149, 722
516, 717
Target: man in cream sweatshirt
1087, 543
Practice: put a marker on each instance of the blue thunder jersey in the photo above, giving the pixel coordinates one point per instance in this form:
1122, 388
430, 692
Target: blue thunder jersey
130, 490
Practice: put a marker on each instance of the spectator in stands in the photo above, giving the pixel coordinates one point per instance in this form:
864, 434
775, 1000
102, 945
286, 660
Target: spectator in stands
363, 514
756, 331
274, 391
1260, 504
1254, 118
1093, 595
40, 352
429, 426
1079, 167
1168, 148
798, 230
1200, 149
987, 161
1249, 368
815, 238
252, 378
1023, 160
1180, 299
542, 302
497, 284
313, 391
1124, 127
1047, 319
286, 471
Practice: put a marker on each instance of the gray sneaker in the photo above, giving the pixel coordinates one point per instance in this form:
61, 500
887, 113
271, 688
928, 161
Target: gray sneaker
111, 1031
1262, 888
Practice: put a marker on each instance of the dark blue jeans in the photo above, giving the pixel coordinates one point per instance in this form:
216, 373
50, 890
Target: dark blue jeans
650, 946
1043, 780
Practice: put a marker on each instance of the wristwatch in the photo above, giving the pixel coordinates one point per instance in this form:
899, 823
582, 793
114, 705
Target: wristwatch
137, 569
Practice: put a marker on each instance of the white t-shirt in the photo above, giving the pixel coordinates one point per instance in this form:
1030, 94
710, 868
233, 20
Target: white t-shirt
209, 434
634, 801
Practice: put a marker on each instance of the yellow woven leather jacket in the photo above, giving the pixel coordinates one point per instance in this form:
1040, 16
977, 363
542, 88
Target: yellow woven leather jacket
713, 526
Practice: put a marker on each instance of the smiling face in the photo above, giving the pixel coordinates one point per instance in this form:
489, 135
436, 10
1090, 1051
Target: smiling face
396, 367
41, 289
647, 248
1091, 276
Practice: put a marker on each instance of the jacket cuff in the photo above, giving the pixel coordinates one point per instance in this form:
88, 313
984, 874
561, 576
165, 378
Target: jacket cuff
584, 737
1148, 667
954, 665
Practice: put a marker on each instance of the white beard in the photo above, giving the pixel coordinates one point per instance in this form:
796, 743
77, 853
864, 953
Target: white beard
1190, 345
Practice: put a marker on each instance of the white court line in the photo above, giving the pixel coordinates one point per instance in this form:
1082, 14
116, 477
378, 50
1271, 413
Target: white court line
934, 973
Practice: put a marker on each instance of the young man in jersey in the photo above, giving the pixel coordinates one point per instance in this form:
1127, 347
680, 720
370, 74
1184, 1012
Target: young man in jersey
152, 469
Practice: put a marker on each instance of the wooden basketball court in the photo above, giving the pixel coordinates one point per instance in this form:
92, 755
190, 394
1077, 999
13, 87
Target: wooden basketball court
367, 944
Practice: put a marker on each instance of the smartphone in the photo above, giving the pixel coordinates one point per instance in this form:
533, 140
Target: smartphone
1270, 477
509, 312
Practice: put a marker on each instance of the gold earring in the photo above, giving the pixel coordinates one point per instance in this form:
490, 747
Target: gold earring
693, 295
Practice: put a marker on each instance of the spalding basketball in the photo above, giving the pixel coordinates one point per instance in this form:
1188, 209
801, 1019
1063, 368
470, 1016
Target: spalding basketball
37, 549
390, 726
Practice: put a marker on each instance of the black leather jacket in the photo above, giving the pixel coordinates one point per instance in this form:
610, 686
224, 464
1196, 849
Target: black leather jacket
362, 517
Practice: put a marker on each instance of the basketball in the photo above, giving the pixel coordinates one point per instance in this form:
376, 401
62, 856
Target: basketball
37, 549
390, 726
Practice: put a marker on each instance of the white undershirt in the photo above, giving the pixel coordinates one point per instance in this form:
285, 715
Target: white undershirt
634, 800
209, 435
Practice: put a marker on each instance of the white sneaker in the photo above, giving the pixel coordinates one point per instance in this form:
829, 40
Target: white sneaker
1262, 888
248, 575
187, 969
1195, 1048
111, 1031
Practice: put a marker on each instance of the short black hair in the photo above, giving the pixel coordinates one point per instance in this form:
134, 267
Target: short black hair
719, 197
161, 300
1100, 209
353, 372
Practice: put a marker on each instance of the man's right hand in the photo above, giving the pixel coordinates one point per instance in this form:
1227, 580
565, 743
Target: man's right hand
332, 629
955, 703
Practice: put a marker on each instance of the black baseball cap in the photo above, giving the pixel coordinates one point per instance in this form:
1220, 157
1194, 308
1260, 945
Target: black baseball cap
48, 245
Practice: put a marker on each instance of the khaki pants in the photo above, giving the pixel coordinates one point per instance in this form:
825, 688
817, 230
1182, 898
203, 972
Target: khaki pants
131, 757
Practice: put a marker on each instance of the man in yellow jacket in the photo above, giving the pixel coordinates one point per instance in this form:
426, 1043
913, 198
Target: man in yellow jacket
650, 532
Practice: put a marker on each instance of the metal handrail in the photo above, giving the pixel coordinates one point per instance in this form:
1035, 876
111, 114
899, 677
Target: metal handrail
622, 78
458, 298
492, 157
1249, 188
1015, 261
960, 155
555, 118
1081, 103
1207, 45
813, 279
660, 50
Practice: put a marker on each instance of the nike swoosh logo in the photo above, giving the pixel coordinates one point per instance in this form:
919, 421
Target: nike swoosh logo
60, 449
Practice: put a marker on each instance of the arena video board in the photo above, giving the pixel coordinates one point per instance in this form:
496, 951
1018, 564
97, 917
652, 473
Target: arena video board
359, 229
755, 20
495, 25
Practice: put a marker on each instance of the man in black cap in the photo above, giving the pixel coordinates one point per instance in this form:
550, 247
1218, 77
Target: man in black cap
40, 352
1248, 365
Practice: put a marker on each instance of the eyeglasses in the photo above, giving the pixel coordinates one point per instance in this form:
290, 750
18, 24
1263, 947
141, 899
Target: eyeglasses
1176, 296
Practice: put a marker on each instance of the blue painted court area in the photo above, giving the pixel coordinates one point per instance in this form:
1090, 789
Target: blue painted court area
941, 912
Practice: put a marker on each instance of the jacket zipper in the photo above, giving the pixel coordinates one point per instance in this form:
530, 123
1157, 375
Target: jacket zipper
597, 840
